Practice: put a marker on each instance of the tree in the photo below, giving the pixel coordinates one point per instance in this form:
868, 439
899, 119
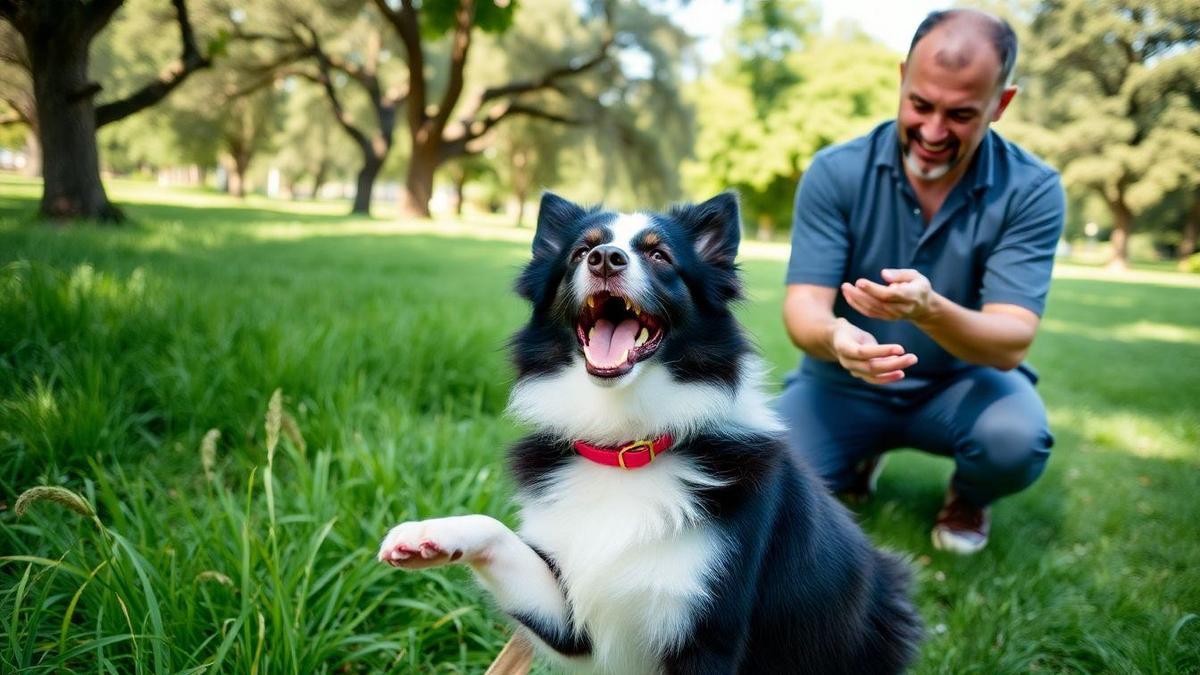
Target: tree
633, 127
447, 112
434, 136
766, 111
57, 38
1102, 78
528, 155
309, 144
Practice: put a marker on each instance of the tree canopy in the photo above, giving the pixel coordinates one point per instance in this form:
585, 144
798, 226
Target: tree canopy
766, 111
1109, 101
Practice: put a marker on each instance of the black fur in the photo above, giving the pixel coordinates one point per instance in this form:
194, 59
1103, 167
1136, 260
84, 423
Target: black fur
803, 590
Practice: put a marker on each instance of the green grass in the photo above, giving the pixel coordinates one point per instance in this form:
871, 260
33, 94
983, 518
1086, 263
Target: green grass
121, 347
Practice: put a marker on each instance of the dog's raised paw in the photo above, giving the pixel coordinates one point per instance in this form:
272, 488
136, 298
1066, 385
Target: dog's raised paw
422, 544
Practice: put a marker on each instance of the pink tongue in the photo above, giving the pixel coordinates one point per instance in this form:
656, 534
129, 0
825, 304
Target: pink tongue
609, 344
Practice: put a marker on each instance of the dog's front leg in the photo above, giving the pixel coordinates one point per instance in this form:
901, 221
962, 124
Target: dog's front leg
522, 583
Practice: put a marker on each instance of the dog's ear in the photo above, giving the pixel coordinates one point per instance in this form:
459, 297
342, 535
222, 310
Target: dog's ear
715, 227
556, 219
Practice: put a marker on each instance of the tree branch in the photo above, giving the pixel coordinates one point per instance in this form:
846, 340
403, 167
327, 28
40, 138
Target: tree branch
189, 62
460, 45
407, 27
339, 112
265, 77
473, 130
551, 79
548, 80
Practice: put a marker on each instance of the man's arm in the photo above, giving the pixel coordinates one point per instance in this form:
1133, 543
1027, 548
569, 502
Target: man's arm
808, 316
998, 335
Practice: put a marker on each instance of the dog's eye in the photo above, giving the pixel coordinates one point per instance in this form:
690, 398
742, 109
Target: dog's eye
578, 253
659, 255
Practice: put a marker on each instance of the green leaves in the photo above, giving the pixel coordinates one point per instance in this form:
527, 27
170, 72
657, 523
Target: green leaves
490, 16
761, 139
1116, 83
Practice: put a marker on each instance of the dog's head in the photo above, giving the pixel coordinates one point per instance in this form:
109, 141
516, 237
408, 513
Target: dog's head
615, 294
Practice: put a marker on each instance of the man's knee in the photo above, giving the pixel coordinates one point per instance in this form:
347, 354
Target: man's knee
1009, 451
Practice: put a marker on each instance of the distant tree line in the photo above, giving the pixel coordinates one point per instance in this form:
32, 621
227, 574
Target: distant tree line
608, 97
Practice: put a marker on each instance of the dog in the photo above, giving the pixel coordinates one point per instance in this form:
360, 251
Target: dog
665, 526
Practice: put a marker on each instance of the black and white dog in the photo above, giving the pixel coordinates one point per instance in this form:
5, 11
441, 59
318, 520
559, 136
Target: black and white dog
665, 528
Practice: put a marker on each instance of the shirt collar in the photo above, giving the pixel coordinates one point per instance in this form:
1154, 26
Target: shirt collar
981, 174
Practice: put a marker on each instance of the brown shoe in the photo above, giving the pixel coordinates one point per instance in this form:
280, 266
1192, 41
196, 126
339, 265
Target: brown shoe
866, 475
961, 526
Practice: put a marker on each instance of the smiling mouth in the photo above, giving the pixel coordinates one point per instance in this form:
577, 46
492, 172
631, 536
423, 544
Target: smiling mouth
932, 149
615, 333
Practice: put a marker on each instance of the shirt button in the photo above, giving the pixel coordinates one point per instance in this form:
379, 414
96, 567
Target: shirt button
916, 212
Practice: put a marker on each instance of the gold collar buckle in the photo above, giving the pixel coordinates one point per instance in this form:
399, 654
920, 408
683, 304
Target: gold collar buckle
644, 443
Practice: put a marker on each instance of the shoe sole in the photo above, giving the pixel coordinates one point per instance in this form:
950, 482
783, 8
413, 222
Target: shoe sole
945, 540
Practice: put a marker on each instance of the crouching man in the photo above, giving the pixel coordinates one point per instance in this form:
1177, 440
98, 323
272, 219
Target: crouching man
921, 259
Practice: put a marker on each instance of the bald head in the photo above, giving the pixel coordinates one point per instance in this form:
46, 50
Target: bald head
960, 37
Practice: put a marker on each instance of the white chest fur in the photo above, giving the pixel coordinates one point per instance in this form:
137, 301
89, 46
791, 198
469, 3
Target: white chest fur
634, 553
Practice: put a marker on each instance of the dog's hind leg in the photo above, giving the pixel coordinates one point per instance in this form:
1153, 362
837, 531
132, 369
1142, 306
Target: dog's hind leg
518, 578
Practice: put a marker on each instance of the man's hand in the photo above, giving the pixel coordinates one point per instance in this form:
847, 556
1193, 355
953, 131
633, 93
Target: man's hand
908, 295
861, 355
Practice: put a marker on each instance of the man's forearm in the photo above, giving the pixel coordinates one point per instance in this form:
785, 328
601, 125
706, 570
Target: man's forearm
809, 322
815, 337
999, 336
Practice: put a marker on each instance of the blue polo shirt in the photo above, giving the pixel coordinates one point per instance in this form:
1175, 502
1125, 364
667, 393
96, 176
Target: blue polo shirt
992, 241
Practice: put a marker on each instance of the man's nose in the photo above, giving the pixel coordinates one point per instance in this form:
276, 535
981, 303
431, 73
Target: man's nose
934, 131
607, 260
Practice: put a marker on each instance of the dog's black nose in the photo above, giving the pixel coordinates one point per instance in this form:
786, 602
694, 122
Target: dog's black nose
607, 260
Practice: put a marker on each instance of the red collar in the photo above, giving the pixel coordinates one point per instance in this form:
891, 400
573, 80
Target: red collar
632, 455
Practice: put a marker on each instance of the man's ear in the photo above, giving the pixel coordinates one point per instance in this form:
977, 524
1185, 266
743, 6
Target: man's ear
715, 227
1006, 97
556, 218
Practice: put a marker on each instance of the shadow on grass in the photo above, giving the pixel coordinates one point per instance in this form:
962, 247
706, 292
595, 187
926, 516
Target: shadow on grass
23, 210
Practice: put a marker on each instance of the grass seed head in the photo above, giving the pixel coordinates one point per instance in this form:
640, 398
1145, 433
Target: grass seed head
56, 494
208, 454
292, 430
213, 575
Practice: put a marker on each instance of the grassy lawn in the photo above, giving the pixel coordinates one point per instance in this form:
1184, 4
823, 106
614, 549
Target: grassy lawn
120, 348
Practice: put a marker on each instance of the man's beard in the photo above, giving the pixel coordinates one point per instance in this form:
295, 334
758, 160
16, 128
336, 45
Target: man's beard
938, 170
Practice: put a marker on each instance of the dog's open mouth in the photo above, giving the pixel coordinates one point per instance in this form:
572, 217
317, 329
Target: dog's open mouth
615, 334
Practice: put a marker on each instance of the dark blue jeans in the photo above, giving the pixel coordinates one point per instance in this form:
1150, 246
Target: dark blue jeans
991, 422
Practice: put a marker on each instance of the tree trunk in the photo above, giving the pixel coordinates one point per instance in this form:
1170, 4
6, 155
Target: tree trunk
366, 183
67, 127
1191, 228
766, 227
521, 196
319, 178
1122, 222
460, 185
418, 184
236, 165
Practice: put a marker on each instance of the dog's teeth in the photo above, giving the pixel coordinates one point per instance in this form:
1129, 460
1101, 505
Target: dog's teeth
642, 337
624, 356
591, 301
628, 304
591, 334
